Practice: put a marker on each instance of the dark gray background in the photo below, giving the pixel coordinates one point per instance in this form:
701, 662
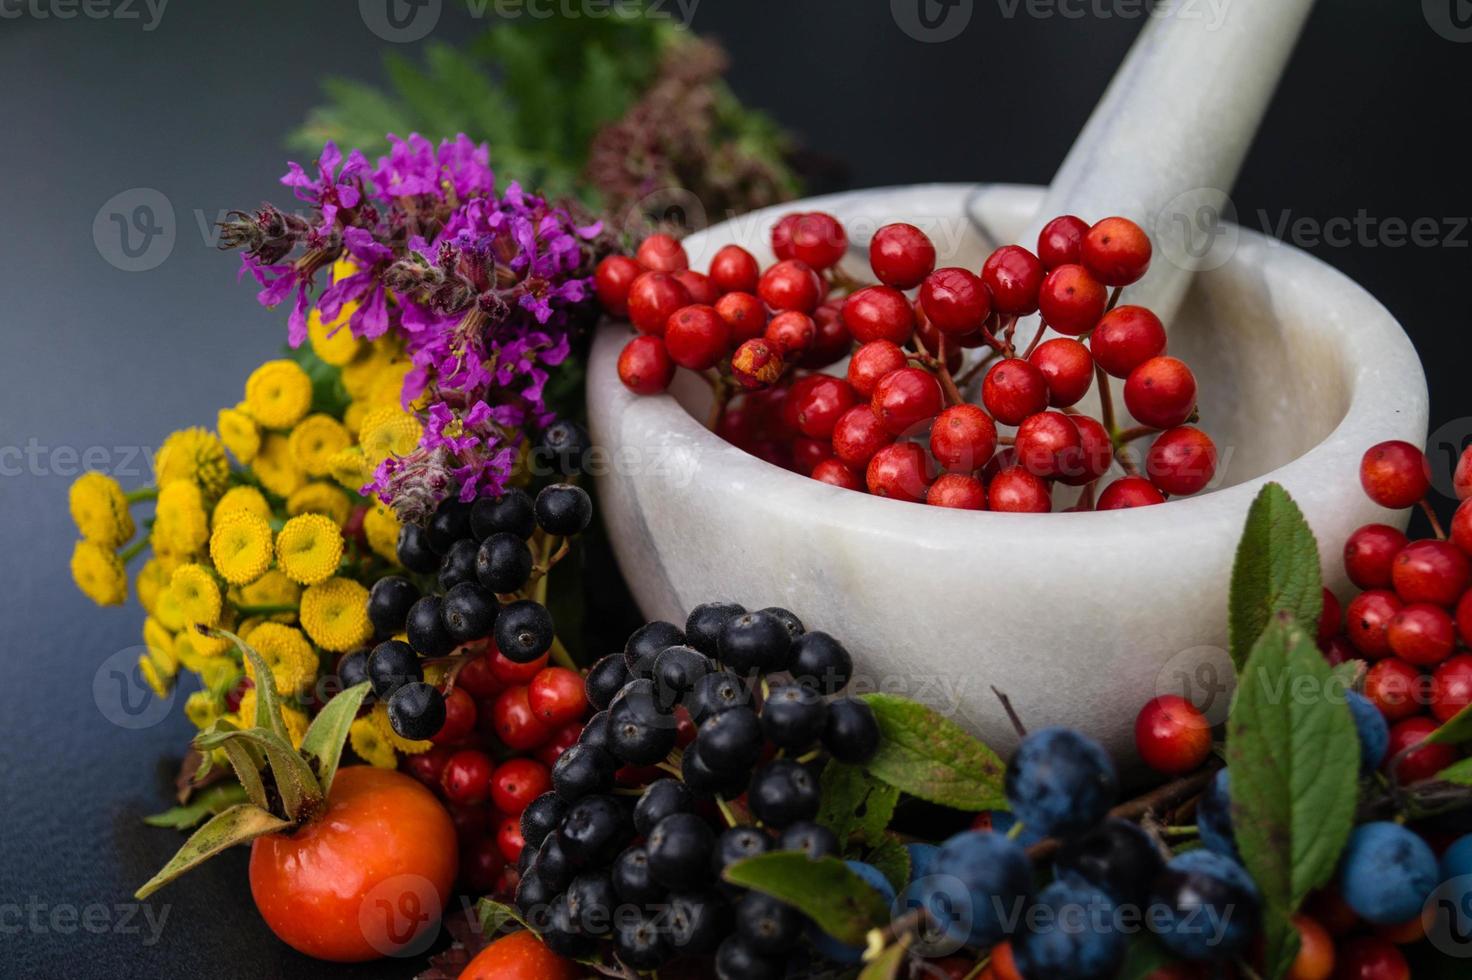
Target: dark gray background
1372, 115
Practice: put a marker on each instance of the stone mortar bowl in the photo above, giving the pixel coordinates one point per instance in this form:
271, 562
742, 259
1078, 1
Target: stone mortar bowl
1078, 618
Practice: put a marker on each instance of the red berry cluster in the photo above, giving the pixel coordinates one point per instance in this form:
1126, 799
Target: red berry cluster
1413, 618
898, 422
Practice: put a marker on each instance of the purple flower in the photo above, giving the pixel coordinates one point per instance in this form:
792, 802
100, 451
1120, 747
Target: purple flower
333, 189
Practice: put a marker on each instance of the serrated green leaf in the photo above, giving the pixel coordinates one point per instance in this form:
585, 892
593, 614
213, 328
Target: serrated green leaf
1294, 757
885, 966
494, 916
322, 745
1276, 568
1459, 773
215, 799
238, 825
840, 902
933, 758
1455, 730
853, 803
892, 860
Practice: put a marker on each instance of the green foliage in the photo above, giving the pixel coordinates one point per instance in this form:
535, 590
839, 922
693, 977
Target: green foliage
825, 890
854, 803
931, 757
214, 800
1276, 568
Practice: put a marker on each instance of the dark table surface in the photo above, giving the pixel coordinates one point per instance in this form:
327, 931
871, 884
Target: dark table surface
99, 363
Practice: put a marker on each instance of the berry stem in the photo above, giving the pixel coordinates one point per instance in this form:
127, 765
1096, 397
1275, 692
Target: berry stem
1160, 798
561, 657
726, 812
947, 383
1000, 346
1106, 402
1016, 830
1114, 298
720, 394
975, 370
1017, 724
1430, 516
1037, 338
1130, 435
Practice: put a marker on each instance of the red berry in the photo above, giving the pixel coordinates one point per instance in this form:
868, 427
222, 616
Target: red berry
662, 253
509, 672
516, 782
879, 313
1395, 687
835, 473
653, 298
698, 284
782, 236
645, 366
790, 285
963, 438
556, 696
792, 332
563, 739
1127, 492
901, 255
1016, 491
756, 363
955, 301
1044, 441
428, 767
823, 402
831, 341
900, 470
873, 361
1093, 457
807, 453
1371, 958
906, 399
1395, 474
1464, 618
818, 239
1013, 389
1462, 475
1125, 338
957, 490
1061, 241
1172, 736
459, 717
859, 435
611, 281
1331, 617
1461, 528
467, 777
1367, 621
744, 314
476, 678
1071, 300
509, 839
1418, 764
931, 341
1014, 275
517, 725
1161, 392
1451, 687
1430, 571
1067, 367
734, 270
481, 864
1182, 461
696, 337
1116, 251
1369, 554
1422, 634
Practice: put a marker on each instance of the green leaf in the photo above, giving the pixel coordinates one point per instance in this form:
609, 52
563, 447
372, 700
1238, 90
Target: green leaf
841, 903
238, 825
1143, 957
1294, 758
885, 966
933, 758
855, 804
215, 799
246, 762
1456, 730
1459, 773
496, 918
299, 789
1276, 568
892, 859
1349, 674
322, 745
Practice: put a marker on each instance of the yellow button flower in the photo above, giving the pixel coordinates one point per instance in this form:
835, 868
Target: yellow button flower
333, 341
335, 614
198, 595
100, 509
350, 469
242, 498
193, 454
278, 394
272, 589
239, 433
202, 709
359, 376
381, 526
290, 658
407, 746
240, 548
315, 439
276, 467
388, 386
99, 573
155, 637
320, 497
309, 548
180, 518
159, 681
166, 609
370, 745
150, 581
389, 431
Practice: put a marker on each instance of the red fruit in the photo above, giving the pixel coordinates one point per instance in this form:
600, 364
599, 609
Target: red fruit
955, 301
901, 255
1330, 909
509, 839
1430, 571
818, 239
1061, 241
1395, 474
807, 453
481, 864
1464, 619
1072, 300
1067, 367
1370, 553
696, 337
791, 332
517, 725
1125, 338
1127, 492
1396, 688
859, 434
906, 399
662, 253
782, 236
831, 341
516, 782
1016, 491
1422, 634
1418, 764
744, 314
873, 361
931, 341
467, 776
822, 402
1093, 456
1462, 475
734, 270
963, 438
1331, 616
476, 678
1161, 393
1013, 275
1116, 251
698, 284
520, 956
879, 313
1367, 621
1182, 461
556, 696
653, 299
1315, 957
1461, 529
645, 366
1013, 389
611, 281
790, 285
756, 363
1451, 687
563, 739
509, 672
1371, 958
459, 717
1172, 736
900, 470
427, 767
1045, 440
957, 490
835, 473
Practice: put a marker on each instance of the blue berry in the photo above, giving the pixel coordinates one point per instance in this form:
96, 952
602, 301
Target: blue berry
832, 948
1204, 906
1386, 872
1214, 816
1373, 729
922, 859
1074, 935
1002, 822
977, 877
1061, 782
1457, 859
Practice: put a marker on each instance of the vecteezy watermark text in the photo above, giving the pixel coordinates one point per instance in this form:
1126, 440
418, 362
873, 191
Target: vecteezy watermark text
37, 917
406, 21
148, 12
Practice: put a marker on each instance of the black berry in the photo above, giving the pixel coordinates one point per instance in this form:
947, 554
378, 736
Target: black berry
416, 710
769, 926
605, 679
736, 844
541, 817
391, 665
591, 900
793, 716
851, 734
783, 792
632, 880
737, 960
564, 510
730, 741
1116, 857
597, 732
789, 619
640, 941
532, 893
450, 523
646, 643
705, 781
680, 848
563, 446
660, 799
676, 671
352, 669
553, 864
703, 627
388, 604
562, 932
755, 642
414, 551
694, 922
821, 662
503, 563
524, 631
511, 512
811, 838
583, 770
426, 628
638, 733
595, 829
469, 612
458, 564
716, 692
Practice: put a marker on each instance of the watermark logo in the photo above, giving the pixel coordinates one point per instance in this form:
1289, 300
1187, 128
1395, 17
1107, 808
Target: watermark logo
1444, 448
1451, 19
149, 12
123, 696
1197, 229
1448, 917
932, 21
135, 229
397, 915
400, 21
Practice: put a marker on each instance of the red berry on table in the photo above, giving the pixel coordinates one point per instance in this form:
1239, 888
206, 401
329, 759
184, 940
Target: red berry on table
1116, 251
611, 281
1460, 531
1161, 392
1061, 241
1371, 958
1422, 634
834, 473
459, 717
1094, 455
1013, 389
782, 236
901, 255
556, 696
958, 491
509, 839
822, 403
807, 453
818, 239
879, 313
734, 270
791, 285
955, 300
901, 471
516, 724
467, 777
1396, 688
906, 399
1045, 441
1451, 687
858, 435
1172, 736
1395, 474
744, 315
1462, 475
792, 332
1367, 621
1417, 764
873, 361
1067, 367
662, 253
1182, 461
516, 782
756, 363
1430, 571
1331, 616
963, 438
1128, 492
1125, 338
699, 286
831, 341
653, 298
1013, 275
645, 366
1072, 300
1370, 553
696, 337
1016, 491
